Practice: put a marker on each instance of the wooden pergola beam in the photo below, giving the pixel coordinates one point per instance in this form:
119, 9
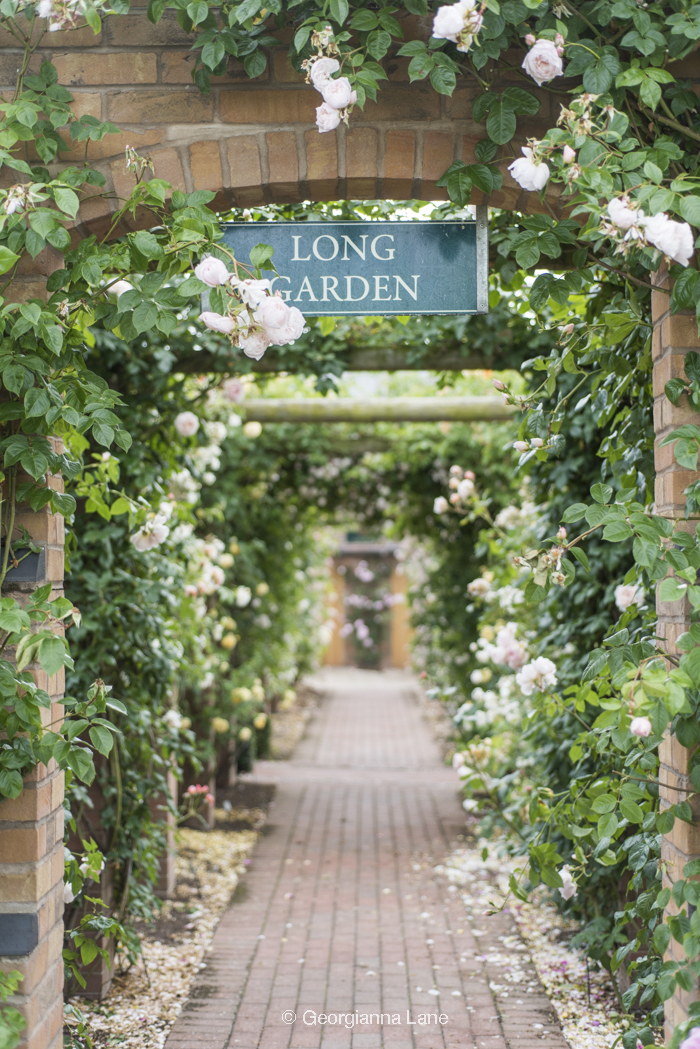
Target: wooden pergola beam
388, 359
376, 409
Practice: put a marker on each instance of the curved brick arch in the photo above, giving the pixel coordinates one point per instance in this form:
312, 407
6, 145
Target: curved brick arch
256, 141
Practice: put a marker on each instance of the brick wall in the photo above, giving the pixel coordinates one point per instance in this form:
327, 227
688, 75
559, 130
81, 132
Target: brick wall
674, 337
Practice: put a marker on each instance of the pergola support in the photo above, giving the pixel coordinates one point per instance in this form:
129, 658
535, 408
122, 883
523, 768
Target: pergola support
377, 409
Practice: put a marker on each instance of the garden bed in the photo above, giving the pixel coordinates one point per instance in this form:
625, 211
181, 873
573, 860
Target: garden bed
581, 994
145, 1001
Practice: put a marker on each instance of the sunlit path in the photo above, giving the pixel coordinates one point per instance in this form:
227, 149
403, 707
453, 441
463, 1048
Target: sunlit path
342, 911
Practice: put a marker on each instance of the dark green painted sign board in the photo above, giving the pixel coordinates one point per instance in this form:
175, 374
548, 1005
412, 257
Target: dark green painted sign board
360, 268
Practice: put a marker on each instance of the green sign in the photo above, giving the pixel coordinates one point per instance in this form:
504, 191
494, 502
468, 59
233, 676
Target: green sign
359, 268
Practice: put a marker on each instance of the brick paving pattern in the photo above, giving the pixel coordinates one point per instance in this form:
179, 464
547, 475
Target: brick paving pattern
341, 910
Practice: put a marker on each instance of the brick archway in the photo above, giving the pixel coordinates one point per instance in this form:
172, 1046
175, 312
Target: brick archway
252, 142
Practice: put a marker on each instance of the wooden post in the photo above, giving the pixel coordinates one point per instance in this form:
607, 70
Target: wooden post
400, 628
334, 655
674, 337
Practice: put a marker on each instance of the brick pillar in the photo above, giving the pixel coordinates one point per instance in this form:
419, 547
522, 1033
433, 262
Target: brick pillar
31, 833
674, 337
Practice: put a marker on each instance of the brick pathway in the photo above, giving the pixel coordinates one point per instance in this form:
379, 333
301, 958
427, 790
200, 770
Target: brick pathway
341, 911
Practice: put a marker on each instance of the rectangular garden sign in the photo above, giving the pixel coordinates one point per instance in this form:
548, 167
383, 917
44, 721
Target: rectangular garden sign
364, 268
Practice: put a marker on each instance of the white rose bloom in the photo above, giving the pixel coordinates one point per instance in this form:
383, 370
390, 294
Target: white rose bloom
211, 271
449, 22
674, 239
217, 322
540, 674
292, 329
119, 287
441, 506
568, 889
628, 595
252, 292
186, 424
465, 488
233, 390
527, 173
44, 9
252, 429
272, 313
141, 541
339, 93
254, 345
68, 894
243, 596
543, 62
479, 588
327, 118
173, 719
621, 215
215, 431
322, 70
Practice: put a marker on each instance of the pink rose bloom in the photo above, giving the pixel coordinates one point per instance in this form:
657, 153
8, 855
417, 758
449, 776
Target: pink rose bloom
211, 271
327, 118
339, 93
272, 313
322, 70
191, 590
217, 322
521, 446
543, 62
693, 1040
642, 727
568, 154
233, 390
254, 345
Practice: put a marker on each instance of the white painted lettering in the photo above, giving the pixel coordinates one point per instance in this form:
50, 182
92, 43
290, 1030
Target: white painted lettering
400, 280
306, 287
285, 293
329, 285
296, 256
390, 252
351, 244
317, 253
378, 288
349, 295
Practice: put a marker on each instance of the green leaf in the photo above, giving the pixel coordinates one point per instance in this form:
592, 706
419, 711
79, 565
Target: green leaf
602, 493
53, 655
631, 811
67, 200
7, 259
339, 10
662, 938
101, 739
443, 80
144, 317
501, 123
255, 63
672, 589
